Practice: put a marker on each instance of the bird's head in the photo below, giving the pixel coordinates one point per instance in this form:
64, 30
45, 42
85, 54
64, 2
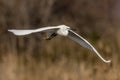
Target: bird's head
64, 27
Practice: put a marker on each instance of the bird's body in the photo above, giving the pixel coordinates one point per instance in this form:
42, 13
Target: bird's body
62, 30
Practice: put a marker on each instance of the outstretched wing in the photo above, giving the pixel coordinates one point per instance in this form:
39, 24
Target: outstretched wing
74, 36
26, 32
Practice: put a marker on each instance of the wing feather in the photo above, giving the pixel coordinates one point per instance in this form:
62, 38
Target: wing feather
26, 32
77, 38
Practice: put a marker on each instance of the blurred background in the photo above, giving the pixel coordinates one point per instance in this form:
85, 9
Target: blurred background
33, 58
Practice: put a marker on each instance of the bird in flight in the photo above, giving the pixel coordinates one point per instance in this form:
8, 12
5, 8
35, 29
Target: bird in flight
62, 30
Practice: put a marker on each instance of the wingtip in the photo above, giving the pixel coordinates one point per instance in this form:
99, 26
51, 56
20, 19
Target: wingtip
108, 61
9, 30
13, 31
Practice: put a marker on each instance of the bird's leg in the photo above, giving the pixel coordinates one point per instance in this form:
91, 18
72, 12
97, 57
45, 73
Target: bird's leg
51, 36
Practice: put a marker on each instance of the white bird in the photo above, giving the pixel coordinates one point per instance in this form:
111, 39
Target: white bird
62, 30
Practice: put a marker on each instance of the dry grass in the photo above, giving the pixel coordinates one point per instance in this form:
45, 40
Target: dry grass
56, 63
27, 68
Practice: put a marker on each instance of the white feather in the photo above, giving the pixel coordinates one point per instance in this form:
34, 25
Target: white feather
79, 39
26, 32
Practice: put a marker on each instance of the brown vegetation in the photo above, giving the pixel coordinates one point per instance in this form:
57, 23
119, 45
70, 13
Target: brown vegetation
32, 58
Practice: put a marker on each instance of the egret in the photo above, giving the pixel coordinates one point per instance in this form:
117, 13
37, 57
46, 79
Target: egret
62, 30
